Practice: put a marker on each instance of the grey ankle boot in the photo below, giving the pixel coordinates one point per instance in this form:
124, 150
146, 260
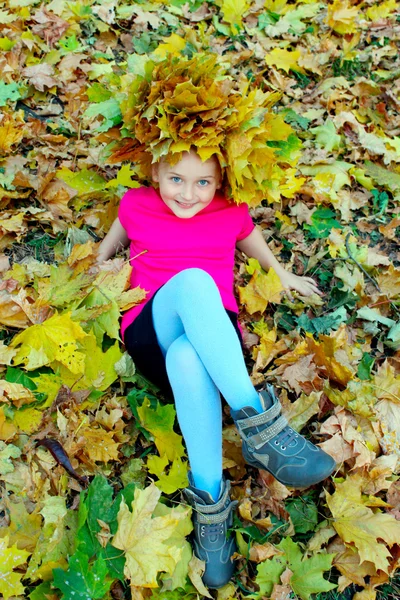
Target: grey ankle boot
211, 521
269, 443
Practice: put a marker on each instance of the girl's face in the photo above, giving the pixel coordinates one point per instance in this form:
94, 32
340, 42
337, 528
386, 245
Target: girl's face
189, 186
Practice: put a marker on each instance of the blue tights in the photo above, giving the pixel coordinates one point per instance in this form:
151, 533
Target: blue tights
203, 358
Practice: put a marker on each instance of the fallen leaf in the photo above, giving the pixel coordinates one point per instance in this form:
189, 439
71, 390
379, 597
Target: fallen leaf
145, 539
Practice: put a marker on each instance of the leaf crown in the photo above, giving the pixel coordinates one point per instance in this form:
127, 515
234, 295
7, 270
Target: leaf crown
180, 103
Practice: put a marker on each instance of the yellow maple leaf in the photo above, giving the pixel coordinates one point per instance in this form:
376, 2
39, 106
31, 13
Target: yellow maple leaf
342, 17
14, 223
10, 581
366, 594
359, 526
145, 538
10, 133
101, 445
160, 423
24, 528
7, 429
382, 10
291, 184
53, 340
175, 479
28, 420
261, 289
174, 43
233, 11
284, 59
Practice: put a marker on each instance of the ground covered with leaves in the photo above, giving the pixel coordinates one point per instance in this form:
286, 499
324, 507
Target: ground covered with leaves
91, 460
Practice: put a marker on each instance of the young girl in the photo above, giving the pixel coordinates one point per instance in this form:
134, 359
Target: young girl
185, 338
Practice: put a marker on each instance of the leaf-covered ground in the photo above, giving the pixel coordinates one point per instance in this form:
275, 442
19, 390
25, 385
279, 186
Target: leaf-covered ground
91, 467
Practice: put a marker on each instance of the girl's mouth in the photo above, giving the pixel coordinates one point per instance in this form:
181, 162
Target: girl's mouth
183, 205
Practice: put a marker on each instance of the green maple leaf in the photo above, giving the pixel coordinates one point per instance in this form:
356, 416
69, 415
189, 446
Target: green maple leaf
109, 109
269, 573
82, 581
85, 181
288, 150
384, 177
326, 136
71, 44
307, 575
62, 287
8, 91
8, 451
97, 504
303, 513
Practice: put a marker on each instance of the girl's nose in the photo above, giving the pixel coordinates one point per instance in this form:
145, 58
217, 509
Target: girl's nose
188, 193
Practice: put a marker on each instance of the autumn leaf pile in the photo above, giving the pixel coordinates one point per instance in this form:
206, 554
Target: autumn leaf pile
91, 459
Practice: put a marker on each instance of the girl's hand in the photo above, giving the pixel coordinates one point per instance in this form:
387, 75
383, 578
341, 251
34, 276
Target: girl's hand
306, 286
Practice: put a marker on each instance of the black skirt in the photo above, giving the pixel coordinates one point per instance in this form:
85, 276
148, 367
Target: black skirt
141, 343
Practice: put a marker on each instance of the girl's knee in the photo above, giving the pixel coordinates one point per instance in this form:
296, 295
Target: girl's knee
196, 278
182, 355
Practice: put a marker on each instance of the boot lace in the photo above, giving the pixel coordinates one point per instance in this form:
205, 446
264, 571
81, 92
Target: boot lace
212, 529
285, 437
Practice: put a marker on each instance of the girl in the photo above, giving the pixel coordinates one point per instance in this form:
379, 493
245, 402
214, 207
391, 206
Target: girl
185, 338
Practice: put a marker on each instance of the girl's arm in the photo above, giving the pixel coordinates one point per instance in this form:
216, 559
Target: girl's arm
254, 246
115, 239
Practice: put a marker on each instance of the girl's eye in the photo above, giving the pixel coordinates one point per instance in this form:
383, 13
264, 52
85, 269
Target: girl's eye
174, 179
203, 182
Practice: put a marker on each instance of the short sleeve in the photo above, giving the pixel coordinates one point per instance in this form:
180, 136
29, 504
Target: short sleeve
126, 210
247, 224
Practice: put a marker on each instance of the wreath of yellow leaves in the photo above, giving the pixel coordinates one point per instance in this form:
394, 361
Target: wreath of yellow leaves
181, 103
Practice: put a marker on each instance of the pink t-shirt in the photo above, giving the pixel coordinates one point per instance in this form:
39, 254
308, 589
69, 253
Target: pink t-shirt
170, 244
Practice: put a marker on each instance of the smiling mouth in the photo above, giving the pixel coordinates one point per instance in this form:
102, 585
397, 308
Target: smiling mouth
185, 204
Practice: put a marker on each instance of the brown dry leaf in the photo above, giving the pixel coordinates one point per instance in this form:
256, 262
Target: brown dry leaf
389, 282
260, 552
389, 230
50, 27
393, 498
302, 213
245, 511
320, 538
104, 535
347, 561
338, 448
40, 76
140, 593
276, 490
378, 474
354, 438
196, 570
324, 352
304, 370
202, 13
286, 576
15, 393
281, 592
